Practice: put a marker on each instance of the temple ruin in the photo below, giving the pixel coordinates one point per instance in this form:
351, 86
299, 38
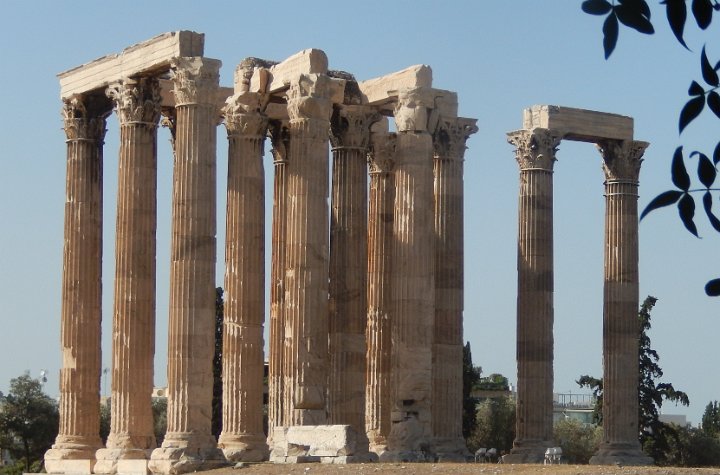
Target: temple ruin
366, 298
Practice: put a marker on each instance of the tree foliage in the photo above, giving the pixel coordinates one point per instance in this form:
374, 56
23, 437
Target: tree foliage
711, 419
704, 95
471, 375
655, 436
578, 441
495, 425
28, 421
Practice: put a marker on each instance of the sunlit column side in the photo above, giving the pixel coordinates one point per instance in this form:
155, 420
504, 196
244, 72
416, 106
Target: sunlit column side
535, 154
137, 103
306, 258
189, 444
447, 370
78, 439
242, 437
378, 332
350, 137
621, 165
413, 281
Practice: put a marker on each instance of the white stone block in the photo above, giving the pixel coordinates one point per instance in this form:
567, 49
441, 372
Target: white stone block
308, 61
132, 467
578, 124
377, 90
70, 466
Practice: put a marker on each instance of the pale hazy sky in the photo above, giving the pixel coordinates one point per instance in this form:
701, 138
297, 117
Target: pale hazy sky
500, 57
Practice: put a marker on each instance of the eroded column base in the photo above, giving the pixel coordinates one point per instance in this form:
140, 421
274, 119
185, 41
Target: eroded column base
72, 455
621, 454
108, 460
244, 448
529, 451
183, 453
451, 449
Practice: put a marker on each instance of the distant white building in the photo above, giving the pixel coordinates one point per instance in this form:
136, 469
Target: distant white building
677, 419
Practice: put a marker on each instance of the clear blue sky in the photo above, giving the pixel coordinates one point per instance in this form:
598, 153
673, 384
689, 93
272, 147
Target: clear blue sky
499, 58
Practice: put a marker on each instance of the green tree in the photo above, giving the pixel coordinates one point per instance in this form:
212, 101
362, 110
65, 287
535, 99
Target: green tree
159, 410
654, 435
711, 419
471, 375
636, 14
495, 425
105, 420
28, 420
692, 447
217, 364
578, 441
596, 386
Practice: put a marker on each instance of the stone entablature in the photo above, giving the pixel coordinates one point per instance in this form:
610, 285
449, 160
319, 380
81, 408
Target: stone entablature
333, 367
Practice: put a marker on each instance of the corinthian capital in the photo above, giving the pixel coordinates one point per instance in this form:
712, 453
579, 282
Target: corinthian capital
451, 135
196, 80
622, 158
381, 158
412, 110
136, 101
84, 117
350, 126
309, 97
534, 148
244, 115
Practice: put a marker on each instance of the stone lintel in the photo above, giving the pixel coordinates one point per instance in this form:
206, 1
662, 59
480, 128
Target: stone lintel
149, 57
167, 98
278, 77
578, 124
377, 91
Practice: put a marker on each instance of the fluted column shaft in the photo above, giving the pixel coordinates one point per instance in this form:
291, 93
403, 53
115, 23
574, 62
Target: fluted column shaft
138, 107
84, 121
535, 153
348, 266
413, 280
621, 164
242, 437
192, 271
449, 143
378, 334
277, 394
306, 260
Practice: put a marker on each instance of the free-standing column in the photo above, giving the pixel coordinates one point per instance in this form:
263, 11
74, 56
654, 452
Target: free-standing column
413, 280
447, 382
621, 164
535, 154
276, 388
378, 333
348, 266
242, 437
78, 436
189, 444
306, 259
137, 103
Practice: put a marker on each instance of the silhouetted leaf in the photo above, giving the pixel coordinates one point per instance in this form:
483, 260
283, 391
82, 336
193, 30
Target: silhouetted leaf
707, 204
633, 17
702, 11
713, 101
696, 89
692, 109
680, 177
663, 199
596, 7
610, 34
716, 154
712, 288
706, 170
676, 12
709, 74
686, 210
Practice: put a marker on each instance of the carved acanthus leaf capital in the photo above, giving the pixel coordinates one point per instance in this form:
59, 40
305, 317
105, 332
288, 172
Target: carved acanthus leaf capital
534, 149
280, 137
622, 158
451, 135
136, 100
85, 118
309, 97
196, 80
244, 115
381, 157
413, 110
350, 126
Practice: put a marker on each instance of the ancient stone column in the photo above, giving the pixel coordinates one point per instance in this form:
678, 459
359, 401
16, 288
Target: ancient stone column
189, 444
306, 247
276, 397
348, 266
78, 436
413, 281
378, 333
447, 368
621, 164
137, 103
535, 154
242, 437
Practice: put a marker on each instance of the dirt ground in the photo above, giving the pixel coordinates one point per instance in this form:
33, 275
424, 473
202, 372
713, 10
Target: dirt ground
452, 468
